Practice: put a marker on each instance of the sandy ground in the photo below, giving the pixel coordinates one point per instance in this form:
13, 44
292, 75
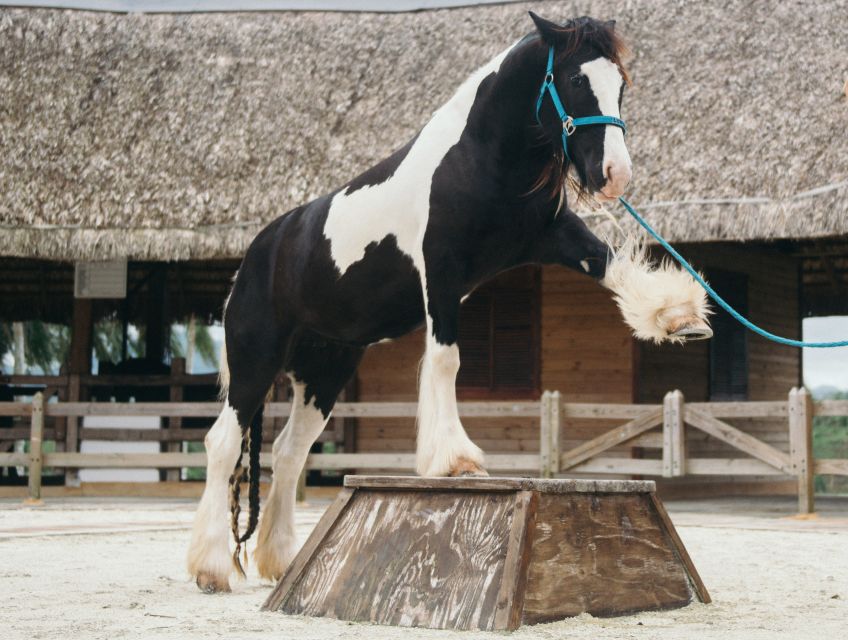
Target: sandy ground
94, 568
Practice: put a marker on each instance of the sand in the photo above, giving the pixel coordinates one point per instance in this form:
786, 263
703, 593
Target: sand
89, 568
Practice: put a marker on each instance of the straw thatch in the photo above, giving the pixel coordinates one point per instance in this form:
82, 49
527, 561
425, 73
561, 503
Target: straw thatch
178, 136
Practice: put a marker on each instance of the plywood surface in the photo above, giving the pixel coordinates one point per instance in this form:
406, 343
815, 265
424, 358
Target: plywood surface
410, 559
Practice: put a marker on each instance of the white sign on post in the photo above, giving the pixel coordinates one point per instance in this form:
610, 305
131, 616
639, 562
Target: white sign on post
106, 279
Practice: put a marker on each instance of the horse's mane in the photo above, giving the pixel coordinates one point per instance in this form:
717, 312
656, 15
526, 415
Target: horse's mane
571, 37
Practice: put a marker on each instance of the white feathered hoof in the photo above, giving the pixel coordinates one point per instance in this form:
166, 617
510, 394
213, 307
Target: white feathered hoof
210, 583
660, 302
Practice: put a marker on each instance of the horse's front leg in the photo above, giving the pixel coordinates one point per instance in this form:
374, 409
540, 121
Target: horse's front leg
659, 302
443, 447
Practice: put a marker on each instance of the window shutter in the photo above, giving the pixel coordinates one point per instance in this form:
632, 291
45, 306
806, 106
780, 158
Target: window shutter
513, 349
475, 342
498, 337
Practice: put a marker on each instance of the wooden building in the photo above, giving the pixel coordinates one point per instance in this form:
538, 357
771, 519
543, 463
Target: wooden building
170, 140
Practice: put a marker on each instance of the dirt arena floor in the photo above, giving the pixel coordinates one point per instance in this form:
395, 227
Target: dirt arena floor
79, 568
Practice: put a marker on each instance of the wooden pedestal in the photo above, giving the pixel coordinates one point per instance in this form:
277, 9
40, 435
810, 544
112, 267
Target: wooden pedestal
488, 553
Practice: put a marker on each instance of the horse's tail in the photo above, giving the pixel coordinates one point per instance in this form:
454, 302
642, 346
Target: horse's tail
252, 444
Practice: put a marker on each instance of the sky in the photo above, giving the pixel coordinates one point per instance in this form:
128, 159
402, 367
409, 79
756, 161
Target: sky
826, 366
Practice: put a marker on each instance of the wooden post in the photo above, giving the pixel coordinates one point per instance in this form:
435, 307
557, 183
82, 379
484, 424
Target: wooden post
556, 426
35, 455
801, 446
178, 369
674, 435
79, 363
549, 428
545, 435
72, 429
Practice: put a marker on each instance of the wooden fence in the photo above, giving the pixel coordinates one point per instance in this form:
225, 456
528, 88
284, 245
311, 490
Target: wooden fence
661, 427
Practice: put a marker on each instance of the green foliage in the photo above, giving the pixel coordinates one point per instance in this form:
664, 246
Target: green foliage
830, 440
108, 340
45, 345
195, 473
204, 344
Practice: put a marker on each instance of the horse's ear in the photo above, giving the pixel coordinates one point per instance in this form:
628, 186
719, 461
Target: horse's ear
610, 24
547, 29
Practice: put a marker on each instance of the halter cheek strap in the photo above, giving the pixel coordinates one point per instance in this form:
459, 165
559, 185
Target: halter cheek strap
569, 124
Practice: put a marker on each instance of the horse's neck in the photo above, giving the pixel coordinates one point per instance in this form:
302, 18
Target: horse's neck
493, 115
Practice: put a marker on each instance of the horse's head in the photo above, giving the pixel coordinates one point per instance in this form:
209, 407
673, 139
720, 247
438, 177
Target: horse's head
589, 79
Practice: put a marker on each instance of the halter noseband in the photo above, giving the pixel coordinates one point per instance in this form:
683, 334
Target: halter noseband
569, 124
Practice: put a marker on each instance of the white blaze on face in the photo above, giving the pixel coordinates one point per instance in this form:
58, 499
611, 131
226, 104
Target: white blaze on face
605, 81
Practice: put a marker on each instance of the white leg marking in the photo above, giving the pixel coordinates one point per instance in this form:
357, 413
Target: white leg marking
655, 300
277, 543
442, 441
209, 557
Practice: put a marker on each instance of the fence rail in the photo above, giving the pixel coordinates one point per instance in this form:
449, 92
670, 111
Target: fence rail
662, 427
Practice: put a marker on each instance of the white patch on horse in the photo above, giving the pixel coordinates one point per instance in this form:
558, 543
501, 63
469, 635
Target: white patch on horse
276, 543
209, 552
605, 81
442, 441
400, 206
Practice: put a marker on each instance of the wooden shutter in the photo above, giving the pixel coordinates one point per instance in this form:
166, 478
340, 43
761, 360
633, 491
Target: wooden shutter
729, 345
499, 338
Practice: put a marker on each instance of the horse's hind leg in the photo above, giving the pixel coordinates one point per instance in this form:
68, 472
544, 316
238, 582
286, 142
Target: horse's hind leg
318, 370
254, 359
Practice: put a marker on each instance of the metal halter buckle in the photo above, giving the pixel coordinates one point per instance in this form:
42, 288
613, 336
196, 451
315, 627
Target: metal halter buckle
549, 78
568, 126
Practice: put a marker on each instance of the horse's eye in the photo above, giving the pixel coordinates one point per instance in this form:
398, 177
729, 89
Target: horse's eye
578, 81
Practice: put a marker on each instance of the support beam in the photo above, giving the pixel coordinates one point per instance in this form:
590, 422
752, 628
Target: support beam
79, 363
617, 436
738, 439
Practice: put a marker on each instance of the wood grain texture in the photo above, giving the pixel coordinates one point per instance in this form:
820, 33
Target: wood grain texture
501, 484
604, 554
295, 569
410, 559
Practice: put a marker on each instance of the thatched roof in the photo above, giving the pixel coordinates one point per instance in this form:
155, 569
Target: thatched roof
178, 136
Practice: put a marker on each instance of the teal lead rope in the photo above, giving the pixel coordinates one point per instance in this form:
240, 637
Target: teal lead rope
719, 300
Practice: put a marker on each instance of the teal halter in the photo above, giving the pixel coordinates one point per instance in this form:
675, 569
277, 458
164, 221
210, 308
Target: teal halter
569, 123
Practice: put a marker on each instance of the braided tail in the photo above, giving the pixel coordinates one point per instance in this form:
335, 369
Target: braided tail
251, 444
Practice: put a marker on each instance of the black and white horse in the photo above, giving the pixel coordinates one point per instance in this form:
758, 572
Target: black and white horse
479, 190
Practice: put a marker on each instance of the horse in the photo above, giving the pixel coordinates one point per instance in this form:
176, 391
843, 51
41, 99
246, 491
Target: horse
479, 190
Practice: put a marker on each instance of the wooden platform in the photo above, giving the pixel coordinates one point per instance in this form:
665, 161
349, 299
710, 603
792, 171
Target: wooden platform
488, 553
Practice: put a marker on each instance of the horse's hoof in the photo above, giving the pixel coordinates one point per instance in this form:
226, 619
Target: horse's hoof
208, 583
689, 328
465, 468
690, 334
